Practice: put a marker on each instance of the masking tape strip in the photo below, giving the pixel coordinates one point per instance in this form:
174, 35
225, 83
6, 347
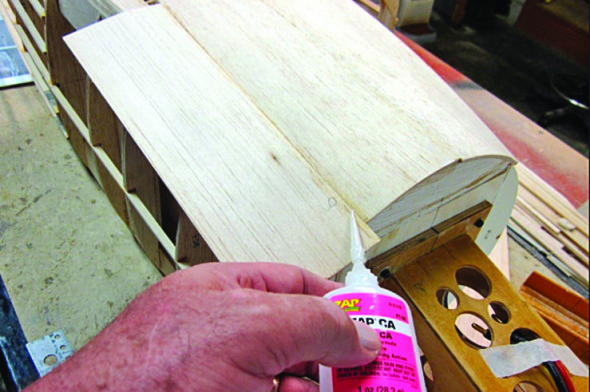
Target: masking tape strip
506, 361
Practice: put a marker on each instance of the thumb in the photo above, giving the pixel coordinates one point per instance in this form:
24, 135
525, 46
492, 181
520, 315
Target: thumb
317, 330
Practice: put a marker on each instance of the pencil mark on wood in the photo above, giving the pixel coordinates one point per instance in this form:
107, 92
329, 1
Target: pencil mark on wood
332, 202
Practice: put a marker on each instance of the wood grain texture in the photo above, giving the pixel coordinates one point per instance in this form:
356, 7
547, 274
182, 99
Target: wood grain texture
218, 99
376, 123
564, 310
372, 110
436, 326
230, 169
191, 248
140, 177
544, 192
105, 129
64, 69
500, 255
575, 267
108, 8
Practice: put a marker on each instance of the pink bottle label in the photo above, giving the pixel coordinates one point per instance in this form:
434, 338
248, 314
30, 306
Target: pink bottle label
395, 369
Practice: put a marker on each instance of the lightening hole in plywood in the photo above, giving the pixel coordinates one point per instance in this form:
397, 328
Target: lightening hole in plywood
499, 312
526, 386
473, 282
523, 335
447, 298
50, 360
427, 370
474, 331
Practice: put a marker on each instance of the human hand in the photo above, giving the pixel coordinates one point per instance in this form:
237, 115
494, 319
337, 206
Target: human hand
221, 327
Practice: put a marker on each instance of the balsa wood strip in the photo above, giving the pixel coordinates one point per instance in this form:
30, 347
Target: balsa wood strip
37, 62
362, 108
551, 197
38, 7
500, 255
108, 8
578, 270
35, 34
233, 173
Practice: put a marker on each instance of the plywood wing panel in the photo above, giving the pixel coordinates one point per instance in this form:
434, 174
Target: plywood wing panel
364, 110
249, 193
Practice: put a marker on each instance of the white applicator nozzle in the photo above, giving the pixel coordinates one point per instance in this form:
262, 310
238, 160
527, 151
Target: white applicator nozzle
359, 275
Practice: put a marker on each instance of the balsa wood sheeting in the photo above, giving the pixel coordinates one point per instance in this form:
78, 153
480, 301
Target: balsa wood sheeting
270, 119
230, 169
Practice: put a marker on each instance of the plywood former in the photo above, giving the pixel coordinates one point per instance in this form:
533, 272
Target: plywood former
64, 69
191, 247
97, 161
433, 281
105, 129
468, 223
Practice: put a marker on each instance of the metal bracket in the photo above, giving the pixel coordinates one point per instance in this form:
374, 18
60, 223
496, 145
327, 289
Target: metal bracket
16, 367
50, 351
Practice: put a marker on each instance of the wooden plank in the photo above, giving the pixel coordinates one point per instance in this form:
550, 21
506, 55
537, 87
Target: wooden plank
166, 244
573, 249
104, 127
369, 5
500, 254
62, 63
38, 21
551, 197
140, 178
167, 264
36, 60
559, 225
43, 86
464, 369
38, 7
97, 161
565, 311
468, 222
241, 186
388, 13
109, 8
580, 272
405, 253
30, 26
144, 236
191, 247
9, 17
572, 239
363, 126
448, 374
64, 69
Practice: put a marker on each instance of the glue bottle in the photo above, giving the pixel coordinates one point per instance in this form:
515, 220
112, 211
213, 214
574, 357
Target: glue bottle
397, 368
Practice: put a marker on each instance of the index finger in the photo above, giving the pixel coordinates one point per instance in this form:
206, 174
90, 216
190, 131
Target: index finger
269, 277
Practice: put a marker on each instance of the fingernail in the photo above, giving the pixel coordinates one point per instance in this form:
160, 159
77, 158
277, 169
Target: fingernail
367, 336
